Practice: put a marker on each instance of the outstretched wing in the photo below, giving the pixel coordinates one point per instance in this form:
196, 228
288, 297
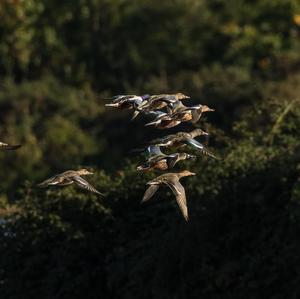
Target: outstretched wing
65, 182
164, 141
82, 183
119, 98
179, 193
196, 116
150, 192
56, 180
201, 147
172, 160
154, 150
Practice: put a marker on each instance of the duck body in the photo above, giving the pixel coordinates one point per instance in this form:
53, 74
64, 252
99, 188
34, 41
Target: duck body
157, 160
178, 113
183, 113
162, 100
128, 101
160, 161
164, 162
178, 138
164, 122
69, 177
182, 139
155, 163
170, 180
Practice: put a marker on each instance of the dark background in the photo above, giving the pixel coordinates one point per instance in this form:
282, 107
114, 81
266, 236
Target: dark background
59, 60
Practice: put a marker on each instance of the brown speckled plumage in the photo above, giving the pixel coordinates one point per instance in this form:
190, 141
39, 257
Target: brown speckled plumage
171, 180
69, 177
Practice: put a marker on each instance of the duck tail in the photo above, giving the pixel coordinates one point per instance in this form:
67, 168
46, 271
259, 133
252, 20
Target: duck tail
41, 185
13, 147
143, 167
153, 123
135, 114
116, 105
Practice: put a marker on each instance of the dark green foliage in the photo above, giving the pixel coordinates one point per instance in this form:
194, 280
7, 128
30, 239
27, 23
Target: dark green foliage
59, 60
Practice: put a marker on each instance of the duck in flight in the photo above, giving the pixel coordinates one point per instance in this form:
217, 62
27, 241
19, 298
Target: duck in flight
7, 147
170, 180
69, 177
160, 101
160, 161
183, 113
181, 139
128, 101
164, 121
178, 113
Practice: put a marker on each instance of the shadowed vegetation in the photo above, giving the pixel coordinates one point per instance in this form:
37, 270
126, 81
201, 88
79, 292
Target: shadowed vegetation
59, 61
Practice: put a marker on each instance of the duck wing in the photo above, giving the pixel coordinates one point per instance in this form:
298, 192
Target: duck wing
179, 193
152, 160
65, 182
58, 180
82, 183
119, 98
172, 160
196, 116
164, 141
201, 147
150, 192
148, 102
154, 150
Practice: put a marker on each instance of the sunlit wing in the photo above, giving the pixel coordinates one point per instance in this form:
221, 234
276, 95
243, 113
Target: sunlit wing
150, 192
55, 180
154, 150
179, 193
201, 147
172, 160
181, 200
65, 182
82, 183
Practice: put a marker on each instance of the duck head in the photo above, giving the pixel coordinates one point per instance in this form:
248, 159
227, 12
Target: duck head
198, 132
205, 108
186, 173
181, 96
84, 171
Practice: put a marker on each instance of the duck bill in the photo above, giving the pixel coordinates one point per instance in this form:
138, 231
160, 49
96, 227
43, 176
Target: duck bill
155, 123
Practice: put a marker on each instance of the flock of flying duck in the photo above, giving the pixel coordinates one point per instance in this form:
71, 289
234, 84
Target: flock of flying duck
168, 111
